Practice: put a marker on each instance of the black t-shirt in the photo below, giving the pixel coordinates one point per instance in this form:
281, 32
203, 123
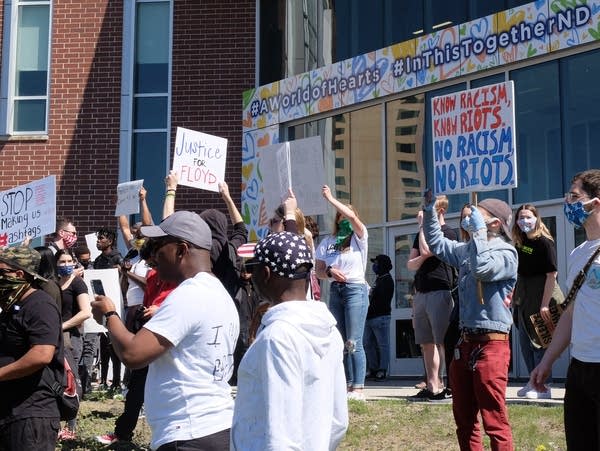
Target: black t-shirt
70, 306
434, 275
32, 321
536, 257
108, 261
380, 296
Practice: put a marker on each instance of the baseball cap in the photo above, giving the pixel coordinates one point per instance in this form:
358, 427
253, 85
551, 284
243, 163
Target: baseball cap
384, 261
187, 225
23, 258
284, 252
500, 210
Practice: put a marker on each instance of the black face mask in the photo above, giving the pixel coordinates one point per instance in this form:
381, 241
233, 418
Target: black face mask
11, 290
85, 263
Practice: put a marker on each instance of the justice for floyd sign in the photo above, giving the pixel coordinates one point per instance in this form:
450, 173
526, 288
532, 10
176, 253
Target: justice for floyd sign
474, 140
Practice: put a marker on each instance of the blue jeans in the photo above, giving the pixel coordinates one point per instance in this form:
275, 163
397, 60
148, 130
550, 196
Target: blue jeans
377, 342
531, 355
348, 303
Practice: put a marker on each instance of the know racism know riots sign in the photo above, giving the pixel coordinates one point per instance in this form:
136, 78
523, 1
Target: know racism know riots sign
28, 210
199, 159
474, 140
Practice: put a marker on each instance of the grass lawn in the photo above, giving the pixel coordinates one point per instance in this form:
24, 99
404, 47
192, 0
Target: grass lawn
375, 425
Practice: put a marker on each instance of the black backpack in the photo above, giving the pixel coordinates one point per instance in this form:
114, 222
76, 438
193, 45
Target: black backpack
66, 387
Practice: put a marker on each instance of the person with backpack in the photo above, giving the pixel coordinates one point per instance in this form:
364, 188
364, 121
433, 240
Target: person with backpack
30, 341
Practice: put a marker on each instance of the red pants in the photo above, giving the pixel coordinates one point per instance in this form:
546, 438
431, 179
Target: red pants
479, 378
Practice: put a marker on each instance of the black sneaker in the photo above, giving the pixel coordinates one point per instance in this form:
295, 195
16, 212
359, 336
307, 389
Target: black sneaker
438, 396
370, 376
380, 375
422, 395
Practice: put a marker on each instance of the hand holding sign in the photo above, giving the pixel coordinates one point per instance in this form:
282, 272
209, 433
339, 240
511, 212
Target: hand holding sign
199, 159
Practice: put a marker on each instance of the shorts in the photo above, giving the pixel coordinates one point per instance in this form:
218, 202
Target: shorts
431, 316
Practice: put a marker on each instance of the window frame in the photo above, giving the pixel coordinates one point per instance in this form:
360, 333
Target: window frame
8, 98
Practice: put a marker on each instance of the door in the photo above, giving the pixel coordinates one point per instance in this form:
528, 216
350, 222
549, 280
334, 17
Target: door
405, 358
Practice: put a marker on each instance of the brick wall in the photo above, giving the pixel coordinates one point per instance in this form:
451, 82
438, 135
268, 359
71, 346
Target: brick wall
213, 63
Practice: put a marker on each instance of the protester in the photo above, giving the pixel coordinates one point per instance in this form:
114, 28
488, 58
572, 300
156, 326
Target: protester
83, 256
47, 270
65, 236
487, 275
31, 340
377, 327
156, 291
536, 286
291, 392
109, 258
579, 324
188, 343
75, 310
432, 302
342, 258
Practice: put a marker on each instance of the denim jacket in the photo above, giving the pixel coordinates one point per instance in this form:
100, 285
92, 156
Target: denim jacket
494, 262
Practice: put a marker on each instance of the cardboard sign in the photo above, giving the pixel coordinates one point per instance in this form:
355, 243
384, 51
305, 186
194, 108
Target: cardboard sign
297, 165
199, 159
474, 140
128, 198
28, 210
108, 281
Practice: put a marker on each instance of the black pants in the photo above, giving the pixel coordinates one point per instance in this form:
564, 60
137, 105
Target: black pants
582, 406
134, 400
219, 441
37, 434
107, 352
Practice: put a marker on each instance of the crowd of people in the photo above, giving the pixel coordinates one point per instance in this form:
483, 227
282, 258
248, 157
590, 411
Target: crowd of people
204, 311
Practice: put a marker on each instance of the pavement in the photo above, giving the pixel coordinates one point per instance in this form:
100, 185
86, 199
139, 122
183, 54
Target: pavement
397, 388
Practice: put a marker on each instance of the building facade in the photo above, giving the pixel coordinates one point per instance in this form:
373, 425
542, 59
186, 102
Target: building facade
365, 83
92, 93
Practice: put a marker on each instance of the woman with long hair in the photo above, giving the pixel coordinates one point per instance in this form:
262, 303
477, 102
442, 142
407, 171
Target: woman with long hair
536, 286
342, 259
75, 310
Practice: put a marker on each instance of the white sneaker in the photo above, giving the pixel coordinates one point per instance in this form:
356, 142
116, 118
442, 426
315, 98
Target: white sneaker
356, 396
532, 394
523, 391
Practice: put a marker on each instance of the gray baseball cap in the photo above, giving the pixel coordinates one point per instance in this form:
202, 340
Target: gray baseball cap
186, 225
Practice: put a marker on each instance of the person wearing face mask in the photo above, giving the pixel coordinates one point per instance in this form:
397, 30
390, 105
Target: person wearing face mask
377, 327
75, 309
487, 273
65, 236
579, 325
342, 259
536, 286
30, 341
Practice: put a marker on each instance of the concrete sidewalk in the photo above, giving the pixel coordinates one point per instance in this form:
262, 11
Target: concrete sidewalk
393, 388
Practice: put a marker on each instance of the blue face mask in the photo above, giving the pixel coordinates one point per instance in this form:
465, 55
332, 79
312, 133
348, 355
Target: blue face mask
65, 270
375, 268
576, 213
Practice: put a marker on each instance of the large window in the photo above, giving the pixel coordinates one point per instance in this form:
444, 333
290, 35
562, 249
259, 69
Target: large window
25, 68
150, 147
537, 113
580, 92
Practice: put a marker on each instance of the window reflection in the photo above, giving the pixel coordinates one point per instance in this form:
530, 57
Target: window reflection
405, 163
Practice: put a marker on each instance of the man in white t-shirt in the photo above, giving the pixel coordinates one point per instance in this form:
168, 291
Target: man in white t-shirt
188, 344
579, 325
291, 383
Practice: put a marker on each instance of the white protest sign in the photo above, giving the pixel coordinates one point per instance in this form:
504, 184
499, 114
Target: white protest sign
91, 239
28, 210
296, 164
128, 197
107, 280
199, 159
474, 140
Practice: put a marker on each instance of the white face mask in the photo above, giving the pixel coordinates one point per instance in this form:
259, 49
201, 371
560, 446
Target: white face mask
527, 224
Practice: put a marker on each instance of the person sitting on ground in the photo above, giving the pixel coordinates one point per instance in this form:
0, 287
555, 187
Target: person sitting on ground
294, 364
